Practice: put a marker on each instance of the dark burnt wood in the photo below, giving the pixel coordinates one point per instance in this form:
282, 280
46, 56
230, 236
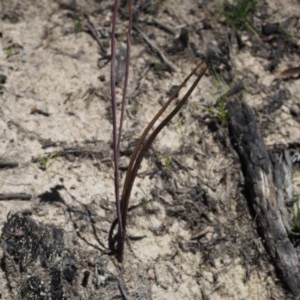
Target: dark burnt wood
264, 189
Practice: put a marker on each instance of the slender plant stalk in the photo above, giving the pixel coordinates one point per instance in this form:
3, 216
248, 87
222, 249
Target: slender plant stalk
117, 132
114, 116
121, 229
128, 40
144, 144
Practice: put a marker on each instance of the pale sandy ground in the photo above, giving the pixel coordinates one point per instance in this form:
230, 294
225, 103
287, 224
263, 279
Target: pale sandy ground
52, 68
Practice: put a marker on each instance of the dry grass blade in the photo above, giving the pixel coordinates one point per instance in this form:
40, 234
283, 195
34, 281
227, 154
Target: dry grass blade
291, 72
151, 124
144, 144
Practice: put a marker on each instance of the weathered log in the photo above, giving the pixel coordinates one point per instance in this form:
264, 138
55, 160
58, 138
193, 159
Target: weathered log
264, 179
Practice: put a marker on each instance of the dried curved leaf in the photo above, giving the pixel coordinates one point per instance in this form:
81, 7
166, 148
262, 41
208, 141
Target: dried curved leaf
291, 72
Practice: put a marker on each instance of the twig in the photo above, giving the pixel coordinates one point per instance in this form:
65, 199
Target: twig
138, 83
163, 26
94, 33
16, 196
156, 49
34, 110
122, 288
8, 165
82, 237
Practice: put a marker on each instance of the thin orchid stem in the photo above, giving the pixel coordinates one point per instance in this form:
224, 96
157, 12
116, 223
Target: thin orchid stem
121, 231
128, 40
114, 116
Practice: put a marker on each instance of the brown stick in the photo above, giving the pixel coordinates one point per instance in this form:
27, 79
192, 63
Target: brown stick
8, 165
16, 196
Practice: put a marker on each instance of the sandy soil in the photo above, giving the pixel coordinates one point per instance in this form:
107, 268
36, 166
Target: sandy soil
191, 234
